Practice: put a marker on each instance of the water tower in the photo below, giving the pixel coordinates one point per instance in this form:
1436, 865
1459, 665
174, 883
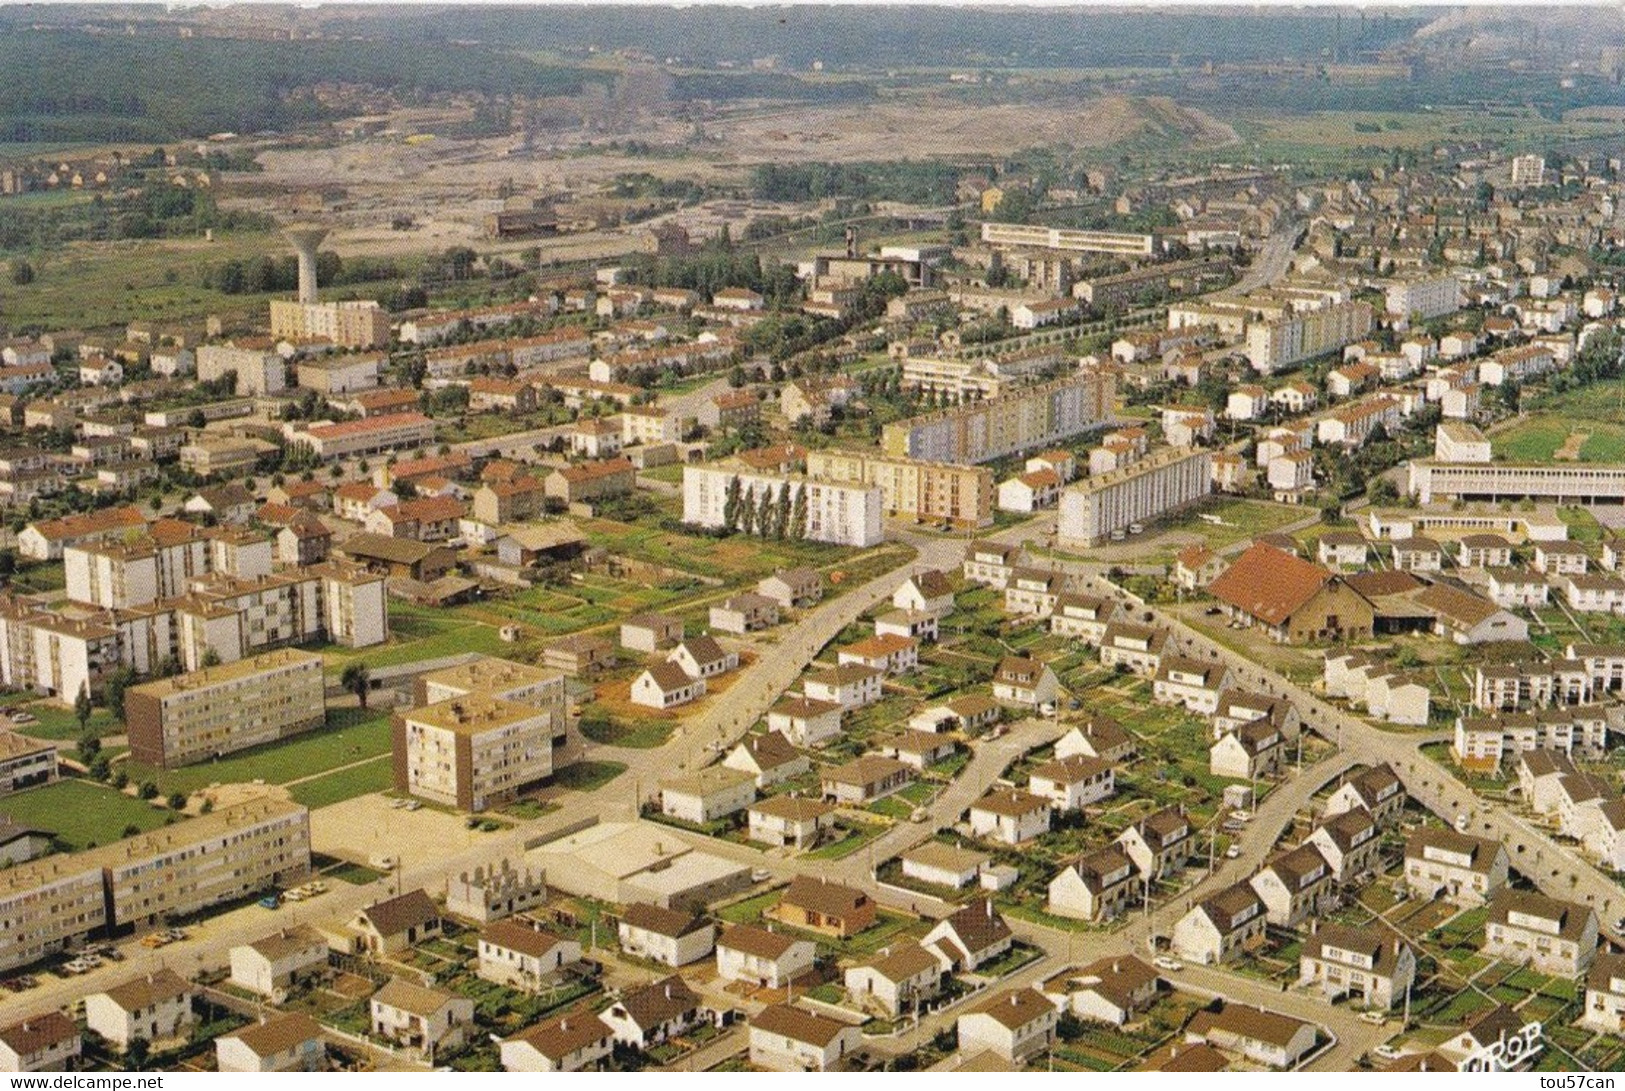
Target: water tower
306, 239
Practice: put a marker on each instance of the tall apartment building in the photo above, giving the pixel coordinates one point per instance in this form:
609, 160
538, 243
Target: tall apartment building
1528, 170
218, 857
1561, 483
840, 514
1031, 236
1273, 344
192, 717
1037, 416
161, 563
1139, 492
1429, 298
53, 902
57, 655
978, 377
929, 491
350, 324
521, 683
471, 752
258, 371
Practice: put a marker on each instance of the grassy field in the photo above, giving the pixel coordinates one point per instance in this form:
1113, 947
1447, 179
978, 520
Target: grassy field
418, 633
56, 721
376, 775
81, 813
1538, 437
342, 742
588, 776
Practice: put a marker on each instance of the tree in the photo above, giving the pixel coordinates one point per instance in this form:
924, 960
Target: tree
148, 790
137, 1055
781, 518
211, 658
90, 744
177, 801
113, 691
747, 514
82, 708
764, 513
798, 516
356, 678
730, 506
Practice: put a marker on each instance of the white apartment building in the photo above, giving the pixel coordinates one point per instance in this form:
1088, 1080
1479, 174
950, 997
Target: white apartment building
472, 752
1279, 343
192, 717
849, 515
1093, 509
1022, 420
1426, 298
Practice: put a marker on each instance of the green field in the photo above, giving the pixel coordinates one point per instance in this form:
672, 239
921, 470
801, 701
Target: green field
81, 813
341, 784
418, 633
1537, 438
342, 742
54, 721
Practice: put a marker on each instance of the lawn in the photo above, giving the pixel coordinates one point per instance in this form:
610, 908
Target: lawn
56, 721
341, 784
81, 813
1539, 436
416, 633
342, 742
637, 734
588, 776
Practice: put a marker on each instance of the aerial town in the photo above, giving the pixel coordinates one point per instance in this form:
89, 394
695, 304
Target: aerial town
678, 553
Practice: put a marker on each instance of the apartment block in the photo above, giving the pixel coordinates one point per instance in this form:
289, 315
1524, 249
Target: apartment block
1279, 343
351, 324
1037, 416
471, 752
1094, 508
1426, 298
214, 711
925, 491
836, 513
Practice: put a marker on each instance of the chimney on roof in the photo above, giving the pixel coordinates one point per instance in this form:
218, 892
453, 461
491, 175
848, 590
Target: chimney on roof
668, 990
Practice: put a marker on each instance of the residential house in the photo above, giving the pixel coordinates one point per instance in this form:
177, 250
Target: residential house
1251, 751
865, 779
1026, 682
568, 1043
286, 1043
1465, 869
762, 957
703, 657
1073, 783
395, 924
665, 685
708, 795
667, 936
1159, 844
744, 613
790, 821
1292, 885
805, 722
1348, 842
897, 979
275, 965
1098, 885
769, 757
1360, 963
648, 1015
819, 905
1014, 1025
970, 937
1112, 990
1218, 927
793, 588
42, 1043
1551, 936
519, 953
419, 1017
1263, 1037
784, 1038
1011, 816
155, 1007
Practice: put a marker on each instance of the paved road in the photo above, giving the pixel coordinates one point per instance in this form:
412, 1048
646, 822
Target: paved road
1270, 265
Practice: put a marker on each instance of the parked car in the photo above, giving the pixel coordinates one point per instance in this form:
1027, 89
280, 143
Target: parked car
1375, 1018
1163, 962
1387, 1052
1232, 852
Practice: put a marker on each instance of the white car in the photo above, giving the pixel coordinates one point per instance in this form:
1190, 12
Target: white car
1232, 852
1375, 1018
1387, 1052
1163, 962
1241, 816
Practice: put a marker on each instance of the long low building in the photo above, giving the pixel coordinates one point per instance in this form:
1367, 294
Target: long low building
1142, 491
192, 717
367, 436
1125, 243
850, 515
1031, 417
145, 880
929, 491
1563, 483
